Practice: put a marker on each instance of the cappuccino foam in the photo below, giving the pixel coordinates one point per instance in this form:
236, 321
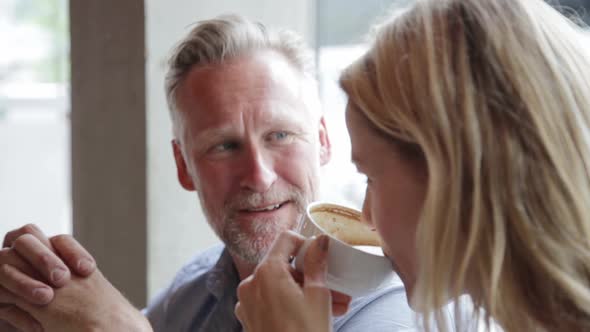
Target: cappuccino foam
345, 226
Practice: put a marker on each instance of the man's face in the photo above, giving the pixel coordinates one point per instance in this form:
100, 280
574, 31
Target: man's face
251, 147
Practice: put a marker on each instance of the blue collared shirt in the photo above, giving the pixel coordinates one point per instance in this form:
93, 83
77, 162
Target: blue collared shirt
202, 298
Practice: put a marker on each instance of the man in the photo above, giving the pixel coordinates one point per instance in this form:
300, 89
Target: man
249, 139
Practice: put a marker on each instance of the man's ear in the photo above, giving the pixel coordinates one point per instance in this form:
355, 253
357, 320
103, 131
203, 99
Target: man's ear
325, 146
183, 176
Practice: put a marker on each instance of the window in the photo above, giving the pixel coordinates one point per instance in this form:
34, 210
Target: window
341, 27
34, 108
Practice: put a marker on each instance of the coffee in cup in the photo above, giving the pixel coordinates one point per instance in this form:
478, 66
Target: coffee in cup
356, 264
345, 225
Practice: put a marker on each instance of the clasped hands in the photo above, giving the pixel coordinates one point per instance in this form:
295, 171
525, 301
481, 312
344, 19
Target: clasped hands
52, 284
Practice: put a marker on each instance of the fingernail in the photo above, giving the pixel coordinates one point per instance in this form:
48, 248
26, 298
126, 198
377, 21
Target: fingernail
85, 265
324, 242
58, 274
42, 294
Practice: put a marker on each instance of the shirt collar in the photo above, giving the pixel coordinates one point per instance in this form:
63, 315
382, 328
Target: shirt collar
223, 276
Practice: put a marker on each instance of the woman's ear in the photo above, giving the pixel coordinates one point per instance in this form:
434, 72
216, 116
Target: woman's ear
183, 175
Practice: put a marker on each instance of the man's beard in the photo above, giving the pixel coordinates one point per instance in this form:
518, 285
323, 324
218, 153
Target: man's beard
251, 244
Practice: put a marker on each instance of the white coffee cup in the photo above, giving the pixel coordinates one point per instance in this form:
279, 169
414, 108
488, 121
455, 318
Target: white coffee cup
353, 267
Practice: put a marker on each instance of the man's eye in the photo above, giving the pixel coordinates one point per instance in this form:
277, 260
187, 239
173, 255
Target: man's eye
280, 136
225, 146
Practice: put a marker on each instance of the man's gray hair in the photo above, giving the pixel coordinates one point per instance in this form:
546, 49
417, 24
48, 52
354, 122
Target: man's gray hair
229, 36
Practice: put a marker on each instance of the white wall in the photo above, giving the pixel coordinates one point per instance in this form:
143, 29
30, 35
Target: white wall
177, 229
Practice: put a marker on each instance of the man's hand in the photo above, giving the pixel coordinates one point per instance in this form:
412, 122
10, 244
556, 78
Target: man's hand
82, 304
30, 265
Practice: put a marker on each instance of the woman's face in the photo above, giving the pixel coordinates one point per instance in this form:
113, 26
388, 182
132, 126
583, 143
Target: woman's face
396, 188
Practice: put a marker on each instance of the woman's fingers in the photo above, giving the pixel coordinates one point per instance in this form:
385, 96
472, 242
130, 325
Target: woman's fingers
315, 267
285, 246
275, 265
314, 276
74, 255
36, 253
340, 303
297, 276
275, 288
315, 263
239, 312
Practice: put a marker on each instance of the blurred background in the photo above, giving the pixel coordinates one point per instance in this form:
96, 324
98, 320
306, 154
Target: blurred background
84, 129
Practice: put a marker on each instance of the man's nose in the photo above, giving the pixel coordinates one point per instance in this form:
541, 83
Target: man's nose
259, 172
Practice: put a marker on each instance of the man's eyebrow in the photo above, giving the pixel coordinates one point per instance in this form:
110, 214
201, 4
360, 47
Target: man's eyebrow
286, 118
212, 133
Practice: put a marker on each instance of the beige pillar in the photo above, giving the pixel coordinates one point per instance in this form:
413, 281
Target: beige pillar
109, 138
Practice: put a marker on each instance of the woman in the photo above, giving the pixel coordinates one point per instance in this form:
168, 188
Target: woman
470, 119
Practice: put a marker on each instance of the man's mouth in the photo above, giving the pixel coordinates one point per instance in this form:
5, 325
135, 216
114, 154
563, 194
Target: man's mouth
266, 208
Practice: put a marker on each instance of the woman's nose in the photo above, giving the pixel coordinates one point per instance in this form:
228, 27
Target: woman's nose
366, 211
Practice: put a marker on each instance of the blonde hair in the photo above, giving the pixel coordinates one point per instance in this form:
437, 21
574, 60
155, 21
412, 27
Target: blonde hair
226, 37
496, 95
